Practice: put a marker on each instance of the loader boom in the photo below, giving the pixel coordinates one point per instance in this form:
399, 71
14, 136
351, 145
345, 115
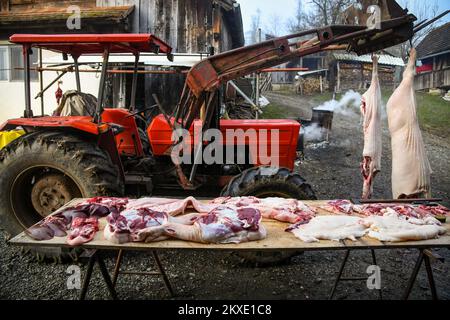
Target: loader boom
206, 77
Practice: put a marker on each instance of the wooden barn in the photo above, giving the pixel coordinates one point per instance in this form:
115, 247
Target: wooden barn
189, 26
434, 55
349, 71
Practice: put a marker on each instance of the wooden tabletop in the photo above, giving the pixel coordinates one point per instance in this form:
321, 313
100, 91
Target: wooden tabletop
277, 239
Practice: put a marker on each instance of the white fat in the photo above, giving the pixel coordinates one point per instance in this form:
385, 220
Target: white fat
393, 228
331, 228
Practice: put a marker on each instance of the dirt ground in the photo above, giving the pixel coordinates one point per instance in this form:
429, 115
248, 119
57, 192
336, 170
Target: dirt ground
333, 172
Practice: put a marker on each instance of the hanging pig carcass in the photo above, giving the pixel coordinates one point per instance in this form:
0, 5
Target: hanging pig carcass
371, 113
411, 169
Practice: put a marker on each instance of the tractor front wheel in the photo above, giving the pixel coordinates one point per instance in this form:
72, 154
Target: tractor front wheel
264, 182
41, 172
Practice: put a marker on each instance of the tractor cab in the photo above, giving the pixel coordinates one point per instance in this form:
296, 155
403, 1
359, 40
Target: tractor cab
81, 111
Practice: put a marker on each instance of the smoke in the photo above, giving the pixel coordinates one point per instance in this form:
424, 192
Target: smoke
346, 106
313, 133
342, 143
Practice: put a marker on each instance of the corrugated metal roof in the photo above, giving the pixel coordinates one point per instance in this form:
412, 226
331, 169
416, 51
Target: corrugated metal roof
383, 59
437, 41
306, 73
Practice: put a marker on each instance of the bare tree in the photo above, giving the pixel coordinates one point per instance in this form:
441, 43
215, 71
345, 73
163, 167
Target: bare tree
256, 24
422, 10
274, 26
298, 22
327, 12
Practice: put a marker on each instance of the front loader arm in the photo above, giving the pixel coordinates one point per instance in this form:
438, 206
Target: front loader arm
205, 78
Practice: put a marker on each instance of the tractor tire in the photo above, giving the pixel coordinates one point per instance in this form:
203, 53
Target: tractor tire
42, 171
263, 182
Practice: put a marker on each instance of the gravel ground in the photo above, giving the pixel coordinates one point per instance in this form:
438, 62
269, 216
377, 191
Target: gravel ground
333, 172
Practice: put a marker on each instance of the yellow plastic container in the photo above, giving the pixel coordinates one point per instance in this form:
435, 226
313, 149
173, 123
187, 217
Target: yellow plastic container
6, 137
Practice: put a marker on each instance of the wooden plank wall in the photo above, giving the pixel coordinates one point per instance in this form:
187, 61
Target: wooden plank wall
4, 5
439, 77
431, 80
181, 23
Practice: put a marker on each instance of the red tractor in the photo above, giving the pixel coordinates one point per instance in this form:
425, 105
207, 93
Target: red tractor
107, 153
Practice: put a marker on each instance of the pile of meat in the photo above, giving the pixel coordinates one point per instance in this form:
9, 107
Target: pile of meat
78, 223
383, 221
222, 220
280, 209
234, 220
340, 207
221, 225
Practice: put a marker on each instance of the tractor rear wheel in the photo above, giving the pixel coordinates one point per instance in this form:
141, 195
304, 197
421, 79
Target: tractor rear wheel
263, 182
42, 171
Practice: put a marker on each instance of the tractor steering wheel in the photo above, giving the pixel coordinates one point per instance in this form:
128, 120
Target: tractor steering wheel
138, 113
138, 116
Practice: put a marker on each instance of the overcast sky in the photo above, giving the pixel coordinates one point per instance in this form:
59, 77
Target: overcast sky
282, 10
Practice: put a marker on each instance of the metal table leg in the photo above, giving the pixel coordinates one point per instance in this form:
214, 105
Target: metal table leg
430, 277
424, 256
88, 277
96, 257
341, 269
163, 273
106, 277
117, 267
413, 277
374, 260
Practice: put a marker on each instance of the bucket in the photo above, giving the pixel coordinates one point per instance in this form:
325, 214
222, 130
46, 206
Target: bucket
324, 120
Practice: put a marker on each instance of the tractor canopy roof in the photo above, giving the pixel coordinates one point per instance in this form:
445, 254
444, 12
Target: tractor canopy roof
79, 44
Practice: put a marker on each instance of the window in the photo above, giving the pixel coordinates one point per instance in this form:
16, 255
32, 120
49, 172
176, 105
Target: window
16, 61
3, 63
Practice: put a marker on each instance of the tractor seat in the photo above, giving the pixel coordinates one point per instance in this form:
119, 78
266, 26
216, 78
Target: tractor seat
74, 103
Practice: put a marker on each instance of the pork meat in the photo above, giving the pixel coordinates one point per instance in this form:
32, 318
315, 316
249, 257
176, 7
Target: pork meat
172, 207
126, 226
82, 230
60, 223
284, 210
340, 206
371, 113
222, 225
411, 169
